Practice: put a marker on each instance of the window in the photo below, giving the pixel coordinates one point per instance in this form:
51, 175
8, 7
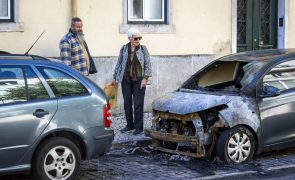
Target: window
36, 89
12, 85
15, 88
6, 11
61, 83
152, 11
282, 77
148, 16
9, 16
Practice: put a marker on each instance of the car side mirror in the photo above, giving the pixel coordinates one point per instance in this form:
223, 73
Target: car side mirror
270, 91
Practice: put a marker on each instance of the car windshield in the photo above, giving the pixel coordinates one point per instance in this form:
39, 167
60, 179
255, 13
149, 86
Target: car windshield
225, 75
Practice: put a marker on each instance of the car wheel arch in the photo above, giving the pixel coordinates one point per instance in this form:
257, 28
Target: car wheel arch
74, 137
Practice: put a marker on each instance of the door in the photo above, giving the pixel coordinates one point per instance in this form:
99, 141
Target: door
256, 24
277, 113
25, 111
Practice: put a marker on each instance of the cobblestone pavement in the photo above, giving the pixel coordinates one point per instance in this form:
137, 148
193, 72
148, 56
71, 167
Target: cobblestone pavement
119, 122
133, 159
136, 161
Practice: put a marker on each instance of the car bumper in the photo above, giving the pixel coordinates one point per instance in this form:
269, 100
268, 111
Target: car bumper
189, 141
98, 141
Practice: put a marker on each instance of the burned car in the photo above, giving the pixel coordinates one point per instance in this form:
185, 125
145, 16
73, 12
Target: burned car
237, 106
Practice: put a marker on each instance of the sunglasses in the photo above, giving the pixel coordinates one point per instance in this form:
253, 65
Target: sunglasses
137, 38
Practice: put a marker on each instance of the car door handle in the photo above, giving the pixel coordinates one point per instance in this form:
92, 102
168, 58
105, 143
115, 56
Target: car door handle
40, 113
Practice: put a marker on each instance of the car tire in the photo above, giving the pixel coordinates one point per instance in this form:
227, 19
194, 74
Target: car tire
56, 158
235, 145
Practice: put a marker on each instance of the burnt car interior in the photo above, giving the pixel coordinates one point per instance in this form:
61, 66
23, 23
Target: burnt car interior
224, 75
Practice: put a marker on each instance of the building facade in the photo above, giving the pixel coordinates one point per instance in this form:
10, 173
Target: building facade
181, 36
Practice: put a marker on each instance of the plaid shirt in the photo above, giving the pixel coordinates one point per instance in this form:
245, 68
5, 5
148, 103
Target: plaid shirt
71, 53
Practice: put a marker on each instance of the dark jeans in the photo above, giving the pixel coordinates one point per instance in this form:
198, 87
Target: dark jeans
133, 94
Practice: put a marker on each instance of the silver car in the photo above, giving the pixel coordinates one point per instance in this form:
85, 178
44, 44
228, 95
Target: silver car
51, 118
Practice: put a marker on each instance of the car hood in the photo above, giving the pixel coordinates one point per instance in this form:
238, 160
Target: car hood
185, 103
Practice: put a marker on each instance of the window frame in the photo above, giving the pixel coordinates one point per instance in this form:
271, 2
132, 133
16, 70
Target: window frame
148, 27
10, 17
145, 19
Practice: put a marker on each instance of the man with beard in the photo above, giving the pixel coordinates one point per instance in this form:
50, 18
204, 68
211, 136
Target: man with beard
74, 51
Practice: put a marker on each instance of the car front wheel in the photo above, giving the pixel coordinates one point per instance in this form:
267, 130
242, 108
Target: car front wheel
235, 145
56, 158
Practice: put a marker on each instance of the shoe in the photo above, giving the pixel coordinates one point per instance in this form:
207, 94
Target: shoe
126, 129
136, 132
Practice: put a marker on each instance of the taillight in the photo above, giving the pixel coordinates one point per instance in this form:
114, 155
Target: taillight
107, 115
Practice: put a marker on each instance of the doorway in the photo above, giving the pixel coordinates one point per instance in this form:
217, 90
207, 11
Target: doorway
256, 24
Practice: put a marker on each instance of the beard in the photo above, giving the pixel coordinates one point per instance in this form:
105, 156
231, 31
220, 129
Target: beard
81, 37
79, 34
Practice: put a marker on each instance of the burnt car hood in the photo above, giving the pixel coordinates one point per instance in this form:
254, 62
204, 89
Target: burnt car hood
185, 103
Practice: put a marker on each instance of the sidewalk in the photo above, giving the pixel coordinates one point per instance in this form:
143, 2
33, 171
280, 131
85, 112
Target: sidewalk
119, 122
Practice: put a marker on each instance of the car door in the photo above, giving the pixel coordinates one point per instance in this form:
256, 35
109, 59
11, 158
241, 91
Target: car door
25, 110
278, 112
72, 97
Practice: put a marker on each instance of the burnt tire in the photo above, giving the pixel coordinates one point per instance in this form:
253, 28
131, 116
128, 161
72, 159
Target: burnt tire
56, 158
235, 145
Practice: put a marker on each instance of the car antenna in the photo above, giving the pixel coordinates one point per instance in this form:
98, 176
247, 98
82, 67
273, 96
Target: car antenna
35, 42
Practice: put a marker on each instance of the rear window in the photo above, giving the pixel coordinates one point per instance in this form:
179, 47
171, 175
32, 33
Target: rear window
62, 84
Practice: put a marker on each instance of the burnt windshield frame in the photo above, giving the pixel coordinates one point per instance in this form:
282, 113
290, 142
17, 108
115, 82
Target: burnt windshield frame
250, 71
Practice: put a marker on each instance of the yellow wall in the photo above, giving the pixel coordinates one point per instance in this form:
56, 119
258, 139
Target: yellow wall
291, 25
101, 20
51, 16
201, 27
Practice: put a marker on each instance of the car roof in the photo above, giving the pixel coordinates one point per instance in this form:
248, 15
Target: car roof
28, 59
260, 55
16, 59
21, 57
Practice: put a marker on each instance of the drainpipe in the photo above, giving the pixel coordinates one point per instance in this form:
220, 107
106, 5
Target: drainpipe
74, 8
